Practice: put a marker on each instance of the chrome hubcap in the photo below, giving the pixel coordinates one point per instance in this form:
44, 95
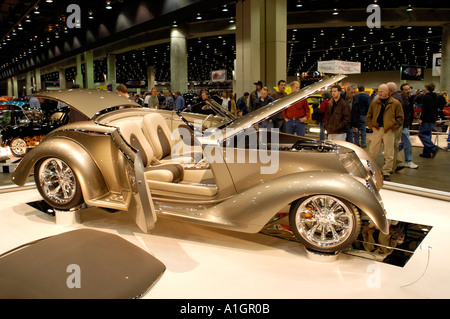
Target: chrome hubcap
324, 221
19, 147
57, 180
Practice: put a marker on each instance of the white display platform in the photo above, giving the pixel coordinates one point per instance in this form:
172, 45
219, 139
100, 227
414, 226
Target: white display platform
207, 263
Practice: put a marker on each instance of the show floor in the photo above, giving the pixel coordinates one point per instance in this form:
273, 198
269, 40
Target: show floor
206, 263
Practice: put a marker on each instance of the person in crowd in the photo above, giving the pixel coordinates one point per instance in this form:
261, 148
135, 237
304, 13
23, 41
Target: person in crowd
122, 90
169, 102
349, 97
179, 103
255, 95
153, 101
34, 102
242, 103
323, 109
361, 103
408, 112
232, 104
215, 96
441, 103
385, 115
225, 101
146, 98
263, 100
138, 99
296, 114
428, 118
399, 162
338, 116
161, 98
278, 119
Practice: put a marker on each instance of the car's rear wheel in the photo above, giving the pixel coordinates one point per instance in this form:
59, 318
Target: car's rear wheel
19, 147
57, 183
325, 223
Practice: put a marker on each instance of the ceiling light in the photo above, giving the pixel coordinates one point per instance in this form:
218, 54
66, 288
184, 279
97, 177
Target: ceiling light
174, 24
231, 20
36, 10
91, 15
409, 9
28, 19
108, 5
199, 17
321, 32
299, 4
335, 12
430, 31
225, 9
49, 1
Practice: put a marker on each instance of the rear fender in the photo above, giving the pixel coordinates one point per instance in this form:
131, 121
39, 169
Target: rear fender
250, 210
89, 176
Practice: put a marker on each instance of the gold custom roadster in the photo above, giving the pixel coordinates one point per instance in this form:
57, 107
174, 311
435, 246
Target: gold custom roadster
215, 170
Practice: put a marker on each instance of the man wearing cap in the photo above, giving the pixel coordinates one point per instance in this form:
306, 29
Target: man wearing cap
255, 95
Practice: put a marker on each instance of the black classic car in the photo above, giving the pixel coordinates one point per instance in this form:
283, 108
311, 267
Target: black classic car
22, 128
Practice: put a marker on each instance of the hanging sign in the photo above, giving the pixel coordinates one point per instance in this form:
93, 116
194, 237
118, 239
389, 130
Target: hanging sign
339, 67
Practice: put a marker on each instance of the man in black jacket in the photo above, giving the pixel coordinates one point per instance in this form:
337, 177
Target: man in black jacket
427, 119
361, 103
408, 110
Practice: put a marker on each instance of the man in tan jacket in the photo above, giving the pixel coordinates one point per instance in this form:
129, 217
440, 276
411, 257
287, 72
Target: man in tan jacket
385, 115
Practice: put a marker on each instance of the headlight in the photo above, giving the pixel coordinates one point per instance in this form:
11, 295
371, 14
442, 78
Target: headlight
353, 164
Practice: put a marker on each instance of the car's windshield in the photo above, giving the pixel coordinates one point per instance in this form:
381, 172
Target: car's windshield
217, 116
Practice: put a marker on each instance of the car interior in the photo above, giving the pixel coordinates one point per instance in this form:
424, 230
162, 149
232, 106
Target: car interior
166, 172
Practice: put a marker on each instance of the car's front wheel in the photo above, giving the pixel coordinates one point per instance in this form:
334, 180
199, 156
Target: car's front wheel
325, 223
57, 183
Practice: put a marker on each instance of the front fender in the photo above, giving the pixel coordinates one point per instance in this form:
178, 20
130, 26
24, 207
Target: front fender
252, 209
89, 176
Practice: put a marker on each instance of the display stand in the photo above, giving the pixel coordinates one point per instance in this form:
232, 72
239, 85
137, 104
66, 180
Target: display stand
67, 218
321, 256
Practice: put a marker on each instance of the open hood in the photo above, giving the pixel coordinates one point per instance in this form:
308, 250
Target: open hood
88, 102
271, 109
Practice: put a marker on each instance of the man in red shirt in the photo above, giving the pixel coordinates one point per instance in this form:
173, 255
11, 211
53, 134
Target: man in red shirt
296, 114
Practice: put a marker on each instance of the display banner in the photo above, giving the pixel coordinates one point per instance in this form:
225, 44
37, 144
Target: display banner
339, 67
219, 76
436, 64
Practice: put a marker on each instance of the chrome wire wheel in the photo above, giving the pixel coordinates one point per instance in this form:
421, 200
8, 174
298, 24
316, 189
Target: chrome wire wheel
19, 147
325, 223
57, 181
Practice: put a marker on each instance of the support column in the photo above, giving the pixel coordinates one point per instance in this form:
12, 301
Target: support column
249, 49
62, 79
261, 40
445, 59
29, 87
111, 71
79, 77
37, 80
15, 87
150, 78
89, 65
275, 41
10, 89
178, 61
